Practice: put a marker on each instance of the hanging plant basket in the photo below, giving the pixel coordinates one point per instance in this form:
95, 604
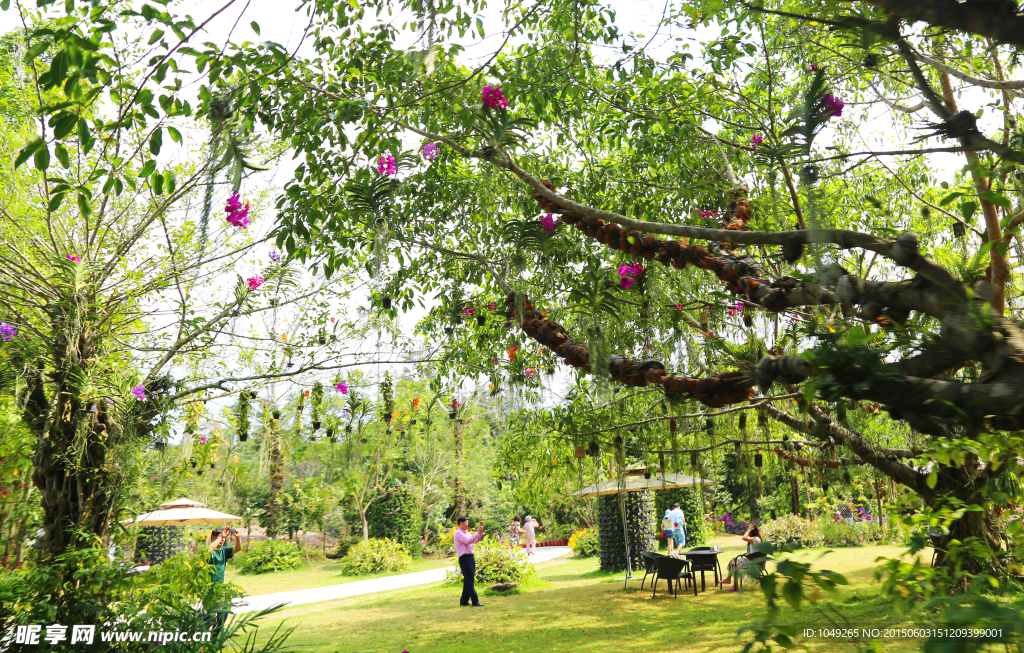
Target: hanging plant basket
194, 464
448, 330
90, 407
387, 418
758, 459
348, 428
252, 394
594, 448
330, 432
580, 451
213, 465
322, 340
277, 414
453, 414
316, 426
481, 320
743, 421
693, 459
333, 439
959, 229
647, 475
159, 445
199, 473
243, 436
386, 303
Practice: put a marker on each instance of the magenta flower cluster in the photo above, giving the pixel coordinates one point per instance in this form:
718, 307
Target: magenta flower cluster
713, 213
255, 282
238, 215
341, 387
73, 258
7, 332
140, 392
493, 98
468, 310
387, 165
549, 223
430, 151
734, 310
833, 107
628, 274
492, 306
756, 140
731, 526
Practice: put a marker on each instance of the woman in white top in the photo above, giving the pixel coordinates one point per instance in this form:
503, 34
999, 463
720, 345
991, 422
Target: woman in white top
752, 537
529, 536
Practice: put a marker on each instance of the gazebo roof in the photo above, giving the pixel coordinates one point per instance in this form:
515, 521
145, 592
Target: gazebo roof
635, 482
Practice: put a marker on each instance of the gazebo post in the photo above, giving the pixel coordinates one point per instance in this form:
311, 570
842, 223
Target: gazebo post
625, 539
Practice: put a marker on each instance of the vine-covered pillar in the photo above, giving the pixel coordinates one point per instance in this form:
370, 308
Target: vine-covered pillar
276, 479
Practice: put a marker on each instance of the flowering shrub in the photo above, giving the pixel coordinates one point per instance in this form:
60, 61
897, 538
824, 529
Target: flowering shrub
585, 543
495, 563
792, 529
340, 549
726, 524
270, 555
396, 515
375, 556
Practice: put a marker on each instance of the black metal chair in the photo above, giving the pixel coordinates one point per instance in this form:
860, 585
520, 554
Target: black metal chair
702, 563
754, 560
650, 566
673, 570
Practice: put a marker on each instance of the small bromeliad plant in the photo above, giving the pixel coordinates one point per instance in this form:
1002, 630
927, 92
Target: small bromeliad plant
496, 563
375, 556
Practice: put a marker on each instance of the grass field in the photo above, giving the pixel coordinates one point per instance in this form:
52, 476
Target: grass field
576, 607
319, 573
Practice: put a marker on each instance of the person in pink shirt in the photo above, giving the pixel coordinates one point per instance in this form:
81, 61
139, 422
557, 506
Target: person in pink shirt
464, 541
529, 529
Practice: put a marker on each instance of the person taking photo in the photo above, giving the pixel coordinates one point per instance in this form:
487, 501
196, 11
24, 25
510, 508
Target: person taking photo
464, 541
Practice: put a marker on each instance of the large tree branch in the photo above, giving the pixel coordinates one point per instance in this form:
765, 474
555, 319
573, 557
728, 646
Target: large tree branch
997, 19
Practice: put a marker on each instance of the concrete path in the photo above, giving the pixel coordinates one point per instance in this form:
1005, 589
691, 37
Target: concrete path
345, 590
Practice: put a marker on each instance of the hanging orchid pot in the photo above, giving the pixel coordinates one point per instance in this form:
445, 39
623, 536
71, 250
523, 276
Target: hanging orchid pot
737, 446
481, 320
388, 431
454, 414
159, 446
594, 448
580, 451
90, 407
709, 425
316, 426
824, 487
758, 459
213, 465
412, 422
959, 229
743, 421
387, 418
693, 459
194, 463
252, 394
199, 473
673, 424
448, 330
798, 446
277, 414
401, 434
322, 340
348, 428
647, 475
330, 433
386, 303
550, 371
333, 439
243, 436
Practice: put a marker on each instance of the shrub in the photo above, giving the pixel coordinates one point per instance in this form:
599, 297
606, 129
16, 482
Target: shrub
270, 555
585, 543
793, 530
396, 516
729, 525
340, 549
375, 556
496, 562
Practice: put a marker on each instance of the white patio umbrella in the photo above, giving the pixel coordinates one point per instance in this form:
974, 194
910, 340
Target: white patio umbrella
181, 512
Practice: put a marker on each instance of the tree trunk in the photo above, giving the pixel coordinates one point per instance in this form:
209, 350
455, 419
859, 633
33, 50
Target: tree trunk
460, 464
19, 545
366, 524
276, 482
794, 494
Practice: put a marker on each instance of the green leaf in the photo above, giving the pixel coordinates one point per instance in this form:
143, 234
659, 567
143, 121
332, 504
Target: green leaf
156, 36
158, 184
996, 199
156, 140
175, 134
85, 138
967, 210
28, 150
62, 155
932, 479
41, 159
793, 593
148, 169
948, 199
84, 205
255, 27
55, 202
170, 180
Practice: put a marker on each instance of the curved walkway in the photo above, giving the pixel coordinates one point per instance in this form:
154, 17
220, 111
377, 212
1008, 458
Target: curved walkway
345, 590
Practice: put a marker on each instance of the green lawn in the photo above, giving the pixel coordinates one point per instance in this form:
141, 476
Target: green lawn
320, 573
575, 607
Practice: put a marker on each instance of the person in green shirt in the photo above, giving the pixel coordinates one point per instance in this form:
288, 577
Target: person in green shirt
220, 554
